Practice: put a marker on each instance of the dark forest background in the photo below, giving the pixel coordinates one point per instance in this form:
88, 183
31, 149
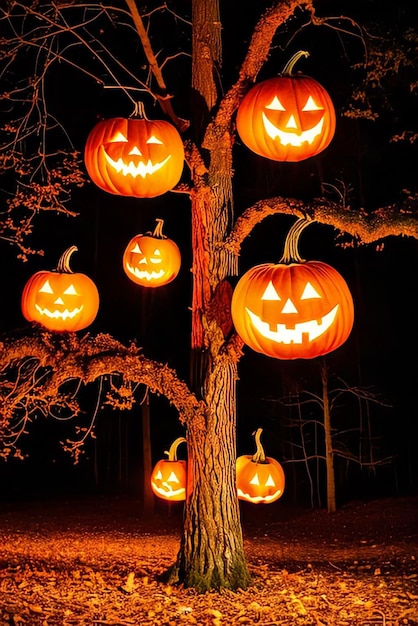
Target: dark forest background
380, 355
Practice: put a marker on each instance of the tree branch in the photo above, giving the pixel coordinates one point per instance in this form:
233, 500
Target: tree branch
364, 227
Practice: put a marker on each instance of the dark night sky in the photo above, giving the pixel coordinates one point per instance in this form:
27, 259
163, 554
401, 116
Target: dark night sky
383, 342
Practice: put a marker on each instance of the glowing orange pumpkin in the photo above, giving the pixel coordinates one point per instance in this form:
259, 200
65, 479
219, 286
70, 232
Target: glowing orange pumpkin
152, 260
60, 300
134, 157
294, 309
260, 479
169, 476
287, 118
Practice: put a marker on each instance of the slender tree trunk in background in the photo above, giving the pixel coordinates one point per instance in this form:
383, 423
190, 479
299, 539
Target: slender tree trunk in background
148, 497
212, 552
329, 454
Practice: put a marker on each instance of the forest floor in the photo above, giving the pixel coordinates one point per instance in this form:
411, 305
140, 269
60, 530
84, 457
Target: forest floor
98, 561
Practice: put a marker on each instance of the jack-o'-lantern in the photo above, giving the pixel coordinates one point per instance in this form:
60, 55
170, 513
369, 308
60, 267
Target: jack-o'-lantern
260, 479
294, 309
169, 476
60, 300
287, 118
152, 260
134, 157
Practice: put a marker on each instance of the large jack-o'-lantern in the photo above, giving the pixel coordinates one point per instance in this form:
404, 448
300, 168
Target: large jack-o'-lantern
294, 309
287, 118
169, 476
134, 157
152, 260
60, 300
260, 479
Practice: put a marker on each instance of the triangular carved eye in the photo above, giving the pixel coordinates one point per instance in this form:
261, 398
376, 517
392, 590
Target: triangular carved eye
309, 292
136, 249
46, 288
153, 139
276, 105
270, 293
270, 482
311, 105
255, 480
173, 478
71, 291
119, 137
158, 475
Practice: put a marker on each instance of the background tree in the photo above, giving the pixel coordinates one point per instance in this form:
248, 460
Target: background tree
42, 371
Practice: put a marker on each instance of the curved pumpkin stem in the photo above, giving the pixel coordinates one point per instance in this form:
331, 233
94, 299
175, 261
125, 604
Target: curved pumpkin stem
291, 244
158, 230
64, 262
288, 68
139, 111
259, 456
172, 452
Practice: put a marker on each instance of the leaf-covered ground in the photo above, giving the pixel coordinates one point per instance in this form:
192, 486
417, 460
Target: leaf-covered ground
97, 562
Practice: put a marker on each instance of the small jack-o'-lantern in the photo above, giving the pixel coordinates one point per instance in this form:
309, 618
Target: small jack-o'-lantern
287, 118
294, 309
134, 157
152, 260
169, 476
60, 300
260, 478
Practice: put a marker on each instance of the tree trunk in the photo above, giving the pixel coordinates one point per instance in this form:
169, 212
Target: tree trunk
148, 497
329, 453
211, 554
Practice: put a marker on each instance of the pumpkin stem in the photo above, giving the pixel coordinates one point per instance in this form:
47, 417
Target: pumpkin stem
259, 456
291, 252
139, 111
158, 230
288, 68
64, 262
172, 452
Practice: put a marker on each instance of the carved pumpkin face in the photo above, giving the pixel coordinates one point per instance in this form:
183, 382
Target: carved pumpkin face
152, 260
168, 480
260, 479
259, 483
169, 476
290, 311
62, 301
134, 157
287, 118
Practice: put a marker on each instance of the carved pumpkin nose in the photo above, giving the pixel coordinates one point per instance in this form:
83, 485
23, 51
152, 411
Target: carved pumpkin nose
135, 152
291, 122
289, 307
59, 301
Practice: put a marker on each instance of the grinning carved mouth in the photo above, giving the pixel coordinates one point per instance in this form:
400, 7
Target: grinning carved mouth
140, 169
168, 490
311, 329
62, 315
143, 274
293, 139
246, 496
